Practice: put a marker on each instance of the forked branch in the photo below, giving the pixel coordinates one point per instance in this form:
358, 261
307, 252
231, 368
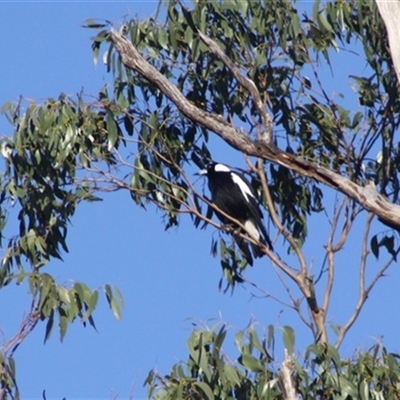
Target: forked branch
364, 289
367, 196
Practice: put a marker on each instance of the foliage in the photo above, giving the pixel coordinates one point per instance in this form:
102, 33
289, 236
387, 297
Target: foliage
40, 188
273, 56
210, 374
277, 53
136, 137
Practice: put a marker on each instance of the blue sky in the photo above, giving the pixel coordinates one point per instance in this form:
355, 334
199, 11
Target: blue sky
169, 279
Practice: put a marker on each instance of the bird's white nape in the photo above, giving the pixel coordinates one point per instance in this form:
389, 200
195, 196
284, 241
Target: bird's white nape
244, 188
221, 168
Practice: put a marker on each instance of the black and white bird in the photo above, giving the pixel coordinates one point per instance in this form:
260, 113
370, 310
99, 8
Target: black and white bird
232, 194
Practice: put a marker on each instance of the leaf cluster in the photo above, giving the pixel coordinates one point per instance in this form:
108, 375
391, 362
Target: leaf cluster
41, 187
281, 51
51, 143
209, 373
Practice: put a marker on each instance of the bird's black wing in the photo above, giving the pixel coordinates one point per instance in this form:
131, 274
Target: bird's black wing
257, 218
254, 209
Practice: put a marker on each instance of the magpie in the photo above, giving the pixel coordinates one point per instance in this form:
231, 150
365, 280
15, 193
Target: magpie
232, 194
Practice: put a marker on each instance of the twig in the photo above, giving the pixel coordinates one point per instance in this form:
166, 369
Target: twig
266, 294
27, 325
364, 290
333, 248
295, 302
274, 216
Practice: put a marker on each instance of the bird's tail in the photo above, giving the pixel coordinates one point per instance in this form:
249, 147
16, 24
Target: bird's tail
258, 232
257, 251
243, 245
265, 240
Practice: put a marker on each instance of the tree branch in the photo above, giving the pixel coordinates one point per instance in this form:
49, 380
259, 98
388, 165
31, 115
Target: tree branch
302, 278
332, 248
366, 196
390, 13
364, 290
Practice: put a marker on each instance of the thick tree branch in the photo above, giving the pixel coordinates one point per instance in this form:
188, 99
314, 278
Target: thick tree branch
390, 13
366, 196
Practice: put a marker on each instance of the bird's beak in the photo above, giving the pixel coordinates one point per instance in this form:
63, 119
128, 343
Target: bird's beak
201, 172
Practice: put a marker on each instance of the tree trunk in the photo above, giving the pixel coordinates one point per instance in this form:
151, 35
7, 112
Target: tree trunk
390, 13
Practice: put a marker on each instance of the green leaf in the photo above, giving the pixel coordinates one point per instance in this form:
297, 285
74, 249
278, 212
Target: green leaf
232, 375
89, 23
189, 19
374, 246
251, 363
288, 339
49, 326
115, 300
348, 389
271, 336
91, 305
324, 23
82, 291
356, 119
254, 341
128, 124
63, 325
11, 363
205, 389
363, 390
203, 362
112, 130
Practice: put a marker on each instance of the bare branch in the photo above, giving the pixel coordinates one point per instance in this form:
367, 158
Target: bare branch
296, 303
330, 255
350, 214
364, 290
271, 208
361, 285
27, 325
265, 294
